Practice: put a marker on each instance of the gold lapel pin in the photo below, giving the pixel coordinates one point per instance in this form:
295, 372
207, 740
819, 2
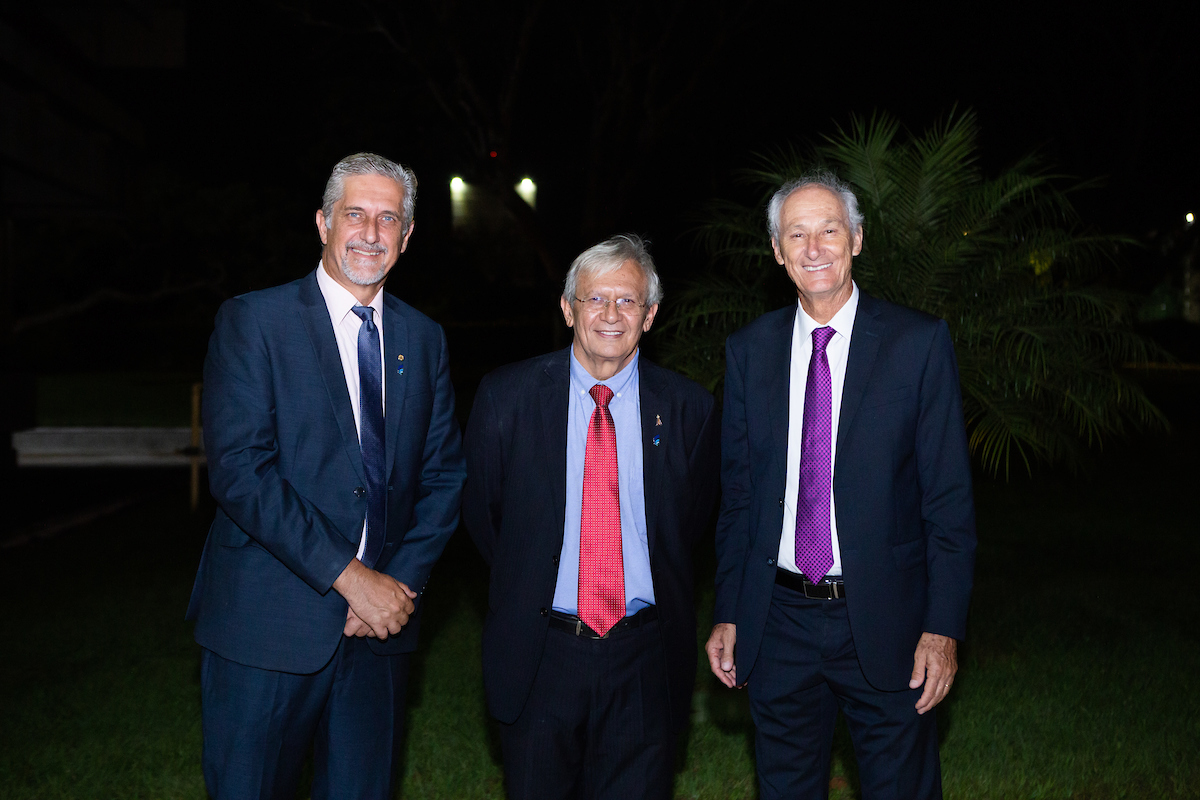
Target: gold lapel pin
657, 420
401, 358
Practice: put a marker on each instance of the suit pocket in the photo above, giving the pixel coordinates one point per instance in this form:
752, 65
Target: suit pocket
886, 398
909, 555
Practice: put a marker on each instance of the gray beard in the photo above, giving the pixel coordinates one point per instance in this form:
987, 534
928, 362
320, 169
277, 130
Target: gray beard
360, 277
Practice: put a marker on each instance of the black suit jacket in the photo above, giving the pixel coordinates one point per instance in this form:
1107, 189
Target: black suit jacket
901, 485
515, 502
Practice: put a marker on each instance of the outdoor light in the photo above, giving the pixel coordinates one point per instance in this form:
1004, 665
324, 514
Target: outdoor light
528, 191
1190, 217
456, 184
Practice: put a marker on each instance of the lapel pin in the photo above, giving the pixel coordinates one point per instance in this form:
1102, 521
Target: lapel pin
400, 371
656, 441
657, 420
400, 358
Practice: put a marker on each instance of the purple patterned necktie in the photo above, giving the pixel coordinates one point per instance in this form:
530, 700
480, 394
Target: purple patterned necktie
814, 547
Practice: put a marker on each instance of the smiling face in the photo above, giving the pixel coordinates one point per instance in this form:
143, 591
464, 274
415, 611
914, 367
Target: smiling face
605, 340
817, 246
364, 234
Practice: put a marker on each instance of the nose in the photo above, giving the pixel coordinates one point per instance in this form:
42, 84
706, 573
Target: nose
371, 230
610, 313
813, 248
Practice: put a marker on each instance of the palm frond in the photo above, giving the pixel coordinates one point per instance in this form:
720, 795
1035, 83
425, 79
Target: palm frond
1005, 260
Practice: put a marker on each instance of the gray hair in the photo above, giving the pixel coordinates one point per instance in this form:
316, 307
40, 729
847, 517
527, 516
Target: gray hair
368, 164
826, 180
608, 256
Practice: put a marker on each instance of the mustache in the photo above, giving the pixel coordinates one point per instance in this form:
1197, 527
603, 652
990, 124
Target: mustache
365, 247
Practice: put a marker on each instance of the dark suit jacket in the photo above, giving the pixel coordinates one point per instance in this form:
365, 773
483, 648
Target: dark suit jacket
901, 485
515, 502
285, 467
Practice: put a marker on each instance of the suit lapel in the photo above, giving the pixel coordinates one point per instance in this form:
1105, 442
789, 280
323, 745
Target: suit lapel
398, 370
654, 442
553, 396
777, 360
315, 315
864, 346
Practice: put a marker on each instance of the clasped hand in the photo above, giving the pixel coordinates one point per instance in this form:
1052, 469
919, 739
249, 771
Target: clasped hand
380, 605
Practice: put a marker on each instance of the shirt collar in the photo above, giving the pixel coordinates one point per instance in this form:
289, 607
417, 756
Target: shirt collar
583, 381
842, 322
339, 301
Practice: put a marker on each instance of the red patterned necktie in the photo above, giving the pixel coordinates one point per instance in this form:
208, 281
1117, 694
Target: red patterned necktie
601, 572
814, 545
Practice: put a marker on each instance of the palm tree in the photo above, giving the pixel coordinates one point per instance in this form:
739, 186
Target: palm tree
1003, 260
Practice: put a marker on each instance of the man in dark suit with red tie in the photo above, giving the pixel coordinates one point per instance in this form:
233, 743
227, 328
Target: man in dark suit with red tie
846, 539
591, 472
335, 460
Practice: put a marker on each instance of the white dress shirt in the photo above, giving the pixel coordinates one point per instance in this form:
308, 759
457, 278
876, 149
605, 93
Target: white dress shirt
346, 323
836, 351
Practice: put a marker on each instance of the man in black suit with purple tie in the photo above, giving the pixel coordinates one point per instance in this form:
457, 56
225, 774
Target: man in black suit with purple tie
846, 537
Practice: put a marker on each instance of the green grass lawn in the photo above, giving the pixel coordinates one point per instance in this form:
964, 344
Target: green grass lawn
1079, 678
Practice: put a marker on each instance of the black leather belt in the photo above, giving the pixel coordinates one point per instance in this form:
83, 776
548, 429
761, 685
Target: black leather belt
830, 588
576, 626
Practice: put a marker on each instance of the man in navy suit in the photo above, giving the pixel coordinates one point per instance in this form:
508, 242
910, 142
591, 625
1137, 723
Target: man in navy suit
591, 471
846, 538
335, 460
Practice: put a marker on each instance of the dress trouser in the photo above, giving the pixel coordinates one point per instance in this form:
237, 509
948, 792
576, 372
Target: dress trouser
597, 722
807, 669
259, 725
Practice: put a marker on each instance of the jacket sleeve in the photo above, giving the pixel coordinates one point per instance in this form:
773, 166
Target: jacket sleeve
947, 506
733, 524
242, 448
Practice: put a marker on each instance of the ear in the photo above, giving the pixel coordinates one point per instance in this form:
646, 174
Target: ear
322, 230
778, 255
568, 314
404, 241
858, 241
646, 323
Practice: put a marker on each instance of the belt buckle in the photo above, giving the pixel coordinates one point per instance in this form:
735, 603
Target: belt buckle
822, 591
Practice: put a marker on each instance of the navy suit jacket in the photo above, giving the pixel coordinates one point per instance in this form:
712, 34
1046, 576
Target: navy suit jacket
286, 470
901, 485
515, 503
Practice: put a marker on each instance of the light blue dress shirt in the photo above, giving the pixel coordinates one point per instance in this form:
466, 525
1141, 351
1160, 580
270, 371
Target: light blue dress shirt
626, 409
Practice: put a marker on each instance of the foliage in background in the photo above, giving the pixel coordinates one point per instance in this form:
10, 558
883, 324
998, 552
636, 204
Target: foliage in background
1004, 260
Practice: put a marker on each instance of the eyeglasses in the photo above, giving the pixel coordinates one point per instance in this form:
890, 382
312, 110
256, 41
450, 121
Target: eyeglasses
625, 305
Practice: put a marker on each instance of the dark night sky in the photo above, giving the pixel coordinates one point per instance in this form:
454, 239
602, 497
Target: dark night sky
1099, 93
269, 101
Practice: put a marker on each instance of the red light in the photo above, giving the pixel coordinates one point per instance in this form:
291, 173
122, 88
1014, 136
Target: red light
493, 154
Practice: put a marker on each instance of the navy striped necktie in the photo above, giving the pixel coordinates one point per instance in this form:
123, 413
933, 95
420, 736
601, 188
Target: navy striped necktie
370, 430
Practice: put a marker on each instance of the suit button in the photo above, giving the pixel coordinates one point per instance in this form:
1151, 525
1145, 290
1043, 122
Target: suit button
359, 491
545, 612
556, 560
781, 502
770, 562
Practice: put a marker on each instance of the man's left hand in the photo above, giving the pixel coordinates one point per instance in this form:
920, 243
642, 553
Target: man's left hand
356, 627
935, 664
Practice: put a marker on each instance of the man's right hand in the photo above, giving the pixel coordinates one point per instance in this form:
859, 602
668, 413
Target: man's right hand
720, 653
380, 604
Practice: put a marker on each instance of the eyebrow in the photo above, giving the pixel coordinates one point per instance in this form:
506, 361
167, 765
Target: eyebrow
795, 225
360, 208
